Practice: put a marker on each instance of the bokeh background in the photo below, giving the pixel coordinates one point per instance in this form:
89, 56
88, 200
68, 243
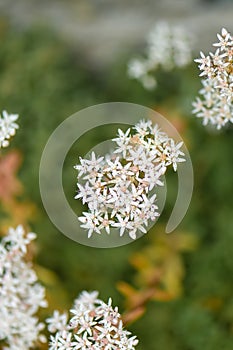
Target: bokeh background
57, 57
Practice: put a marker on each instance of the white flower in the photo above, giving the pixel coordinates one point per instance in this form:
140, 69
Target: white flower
18, 240
167, 47
174, 154
137, 69
21, 295
8, 127
203, 61
94, 325
123, 224
119, 193
57, 322
89, 299
149, 82
106, 223
215, 104
90, 221
83, 192
225, 40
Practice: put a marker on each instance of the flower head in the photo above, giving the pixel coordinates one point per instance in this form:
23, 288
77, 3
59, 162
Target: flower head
8, 127
118, 190
215, 104
21, 295
93, 325
168, 47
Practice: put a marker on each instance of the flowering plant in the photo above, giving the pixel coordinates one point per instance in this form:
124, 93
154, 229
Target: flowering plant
168, 47
118, 188
215, 106
8, 127
21, 295
94, 325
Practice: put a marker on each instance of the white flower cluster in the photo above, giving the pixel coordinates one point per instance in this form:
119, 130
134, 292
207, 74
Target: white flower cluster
216, 103
20, 293
94, 325
118, 187
168, 46
8, 127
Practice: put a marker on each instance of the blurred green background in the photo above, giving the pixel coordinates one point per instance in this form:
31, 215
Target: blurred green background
45, 80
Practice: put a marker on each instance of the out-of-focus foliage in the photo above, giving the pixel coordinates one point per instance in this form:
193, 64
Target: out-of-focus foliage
9, 184
160, 271
45, 81
14, 209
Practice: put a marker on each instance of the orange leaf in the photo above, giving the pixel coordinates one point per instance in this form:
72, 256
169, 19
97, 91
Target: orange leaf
132, 316
9, 184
